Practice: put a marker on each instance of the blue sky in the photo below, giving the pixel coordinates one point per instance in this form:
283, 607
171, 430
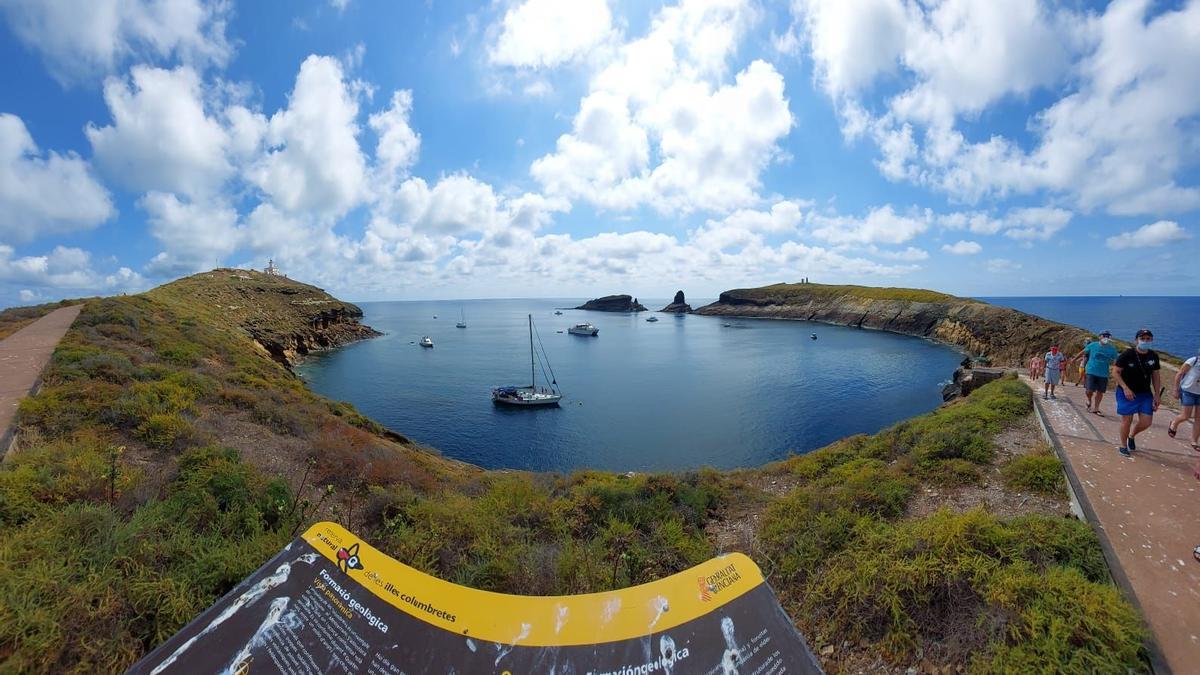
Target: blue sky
408, 150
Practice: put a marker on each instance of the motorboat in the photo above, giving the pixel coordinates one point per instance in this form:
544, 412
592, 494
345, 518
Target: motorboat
813, 336
532, 395
652, 319
426, 342
584, 329
557, 312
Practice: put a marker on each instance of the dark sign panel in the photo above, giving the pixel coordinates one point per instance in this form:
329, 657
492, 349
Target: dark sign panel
329, 603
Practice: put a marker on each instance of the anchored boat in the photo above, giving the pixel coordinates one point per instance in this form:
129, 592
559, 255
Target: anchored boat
532, 395
427, 341
584, 329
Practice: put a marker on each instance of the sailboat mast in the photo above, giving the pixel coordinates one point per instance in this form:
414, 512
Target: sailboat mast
532, 375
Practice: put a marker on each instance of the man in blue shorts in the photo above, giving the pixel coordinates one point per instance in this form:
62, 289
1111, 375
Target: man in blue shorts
1138, 387
1100, 356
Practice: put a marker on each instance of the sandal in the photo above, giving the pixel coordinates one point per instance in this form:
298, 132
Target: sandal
1171, 430
1196, 553
1097, 411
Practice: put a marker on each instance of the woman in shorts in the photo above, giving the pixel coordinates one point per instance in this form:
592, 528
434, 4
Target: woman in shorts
1187, 390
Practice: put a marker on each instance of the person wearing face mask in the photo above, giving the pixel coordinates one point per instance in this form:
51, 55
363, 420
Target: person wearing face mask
1138, 387
1054, 368
1098, 356
1187, 389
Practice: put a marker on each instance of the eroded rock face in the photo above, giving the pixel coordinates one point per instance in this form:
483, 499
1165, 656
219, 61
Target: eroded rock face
613, 303
1005, 336
678, 305
327, 329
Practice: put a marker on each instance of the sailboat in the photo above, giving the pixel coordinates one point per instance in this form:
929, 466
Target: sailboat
532, 395
462, 321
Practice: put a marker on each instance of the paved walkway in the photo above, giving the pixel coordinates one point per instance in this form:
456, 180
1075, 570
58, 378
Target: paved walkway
23, 355
1145, 509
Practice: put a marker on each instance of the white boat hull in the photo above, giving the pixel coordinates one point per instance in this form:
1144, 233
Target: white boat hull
525, 398
584, 331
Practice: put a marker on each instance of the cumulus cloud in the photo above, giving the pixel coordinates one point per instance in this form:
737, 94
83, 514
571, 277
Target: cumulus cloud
63, 268
1117, 138
45, 193
314, 163
79, 40
662, 125
881, 225
1040, 222
1160, 233
161, 136
399, 145
963, 247
546, 33
196, 235
1002, 265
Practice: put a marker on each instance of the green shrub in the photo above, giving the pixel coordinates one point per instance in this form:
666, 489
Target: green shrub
1041, 473
165, 431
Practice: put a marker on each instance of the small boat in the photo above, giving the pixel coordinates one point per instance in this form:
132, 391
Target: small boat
427, 341
435, 316
462, 321
812, 336
652, 319
726, 325
584, 329
533, 395
557, 313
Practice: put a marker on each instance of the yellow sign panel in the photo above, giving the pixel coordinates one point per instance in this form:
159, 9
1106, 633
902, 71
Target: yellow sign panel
330, 602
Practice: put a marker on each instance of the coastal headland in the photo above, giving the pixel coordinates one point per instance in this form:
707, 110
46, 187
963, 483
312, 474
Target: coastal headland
1002, 335
171, 451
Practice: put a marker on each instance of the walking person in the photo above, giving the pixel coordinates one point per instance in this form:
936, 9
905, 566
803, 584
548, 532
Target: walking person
1054, 361
1138, 388
1098, 357
1080, 366
1187, 390
1035, 367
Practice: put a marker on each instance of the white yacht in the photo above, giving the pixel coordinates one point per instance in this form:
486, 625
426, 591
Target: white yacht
532, 395
426, 341
652, 319
584, 329
462, 321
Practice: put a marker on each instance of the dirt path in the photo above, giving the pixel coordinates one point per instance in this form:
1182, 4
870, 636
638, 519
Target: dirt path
1144, 510
23, 356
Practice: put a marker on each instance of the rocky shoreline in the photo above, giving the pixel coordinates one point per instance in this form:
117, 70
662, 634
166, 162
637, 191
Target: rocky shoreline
613, 303
1000, 335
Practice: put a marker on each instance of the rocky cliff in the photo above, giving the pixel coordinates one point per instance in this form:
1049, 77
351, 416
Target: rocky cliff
288, 319
678, 305
1003, 336
613, 303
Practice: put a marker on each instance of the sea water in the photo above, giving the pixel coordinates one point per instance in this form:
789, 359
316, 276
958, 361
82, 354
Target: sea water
681, 393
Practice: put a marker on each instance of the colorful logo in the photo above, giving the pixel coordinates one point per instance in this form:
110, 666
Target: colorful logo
347, 559
705, 589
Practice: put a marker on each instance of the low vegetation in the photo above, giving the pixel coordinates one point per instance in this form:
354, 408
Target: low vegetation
806, 291
167, 456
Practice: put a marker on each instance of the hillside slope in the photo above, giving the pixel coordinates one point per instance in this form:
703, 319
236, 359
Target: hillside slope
1005, 336
168, 455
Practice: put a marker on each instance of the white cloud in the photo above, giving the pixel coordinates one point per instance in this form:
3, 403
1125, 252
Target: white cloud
63, 268
977, 222
79, 39
339, 5
662, 125
398, 145
546, 33
962, 247
1117, 137
1160, 233
43, 195
161, 137
1040, 223
881, 225
906, 254
314, 163
1002, 265
196, 236
27, 295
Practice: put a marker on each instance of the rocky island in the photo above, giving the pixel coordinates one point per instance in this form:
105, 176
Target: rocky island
678, 305
1001, 335
613, 303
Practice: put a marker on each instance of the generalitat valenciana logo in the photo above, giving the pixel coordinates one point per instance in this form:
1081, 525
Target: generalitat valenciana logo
347, 559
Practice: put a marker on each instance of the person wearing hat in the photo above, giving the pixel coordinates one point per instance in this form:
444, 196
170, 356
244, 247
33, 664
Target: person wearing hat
1138, 388
1098, 357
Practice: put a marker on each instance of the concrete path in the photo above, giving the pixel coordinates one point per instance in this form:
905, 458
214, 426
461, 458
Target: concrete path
1145, 510
23, 356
